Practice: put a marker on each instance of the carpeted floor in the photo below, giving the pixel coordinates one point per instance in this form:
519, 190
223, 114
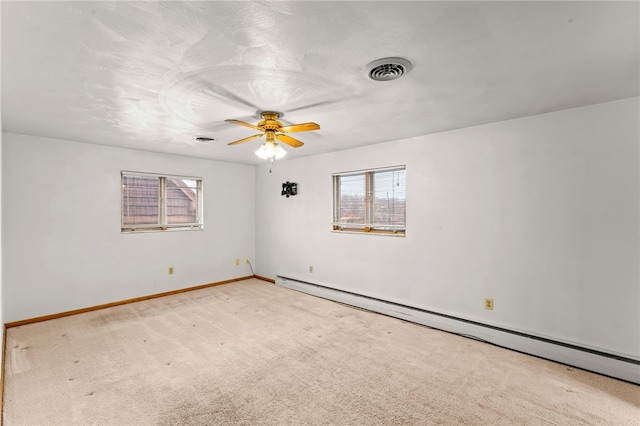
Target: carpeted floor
252, 353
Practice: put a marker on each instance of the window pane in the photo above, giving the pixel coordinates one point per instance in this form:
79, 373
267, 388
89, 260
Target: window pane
389, 198
140, 200
352, 199
182, 201
157, 203
371, 201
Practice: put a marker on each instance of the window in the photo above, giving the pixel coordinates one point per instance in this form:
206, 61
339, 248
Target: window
371, 201
158, 203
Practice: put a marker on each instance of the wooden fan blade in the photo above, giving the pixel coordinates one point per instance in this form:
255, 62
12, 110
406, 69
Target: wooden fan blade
300, 127
289, 140
242, 123
246, 139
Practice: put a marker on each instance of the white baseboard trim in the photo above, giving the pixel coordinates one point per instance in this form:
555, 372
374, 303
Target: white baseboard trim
612, 365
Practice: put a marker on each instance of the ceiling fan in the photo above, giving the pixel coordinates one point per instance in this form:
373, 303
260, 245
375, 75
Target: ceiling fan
273, 129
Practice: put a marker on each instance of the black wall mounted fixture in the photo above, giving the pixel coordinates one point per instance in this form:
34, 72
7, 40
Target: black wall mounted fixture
289, 189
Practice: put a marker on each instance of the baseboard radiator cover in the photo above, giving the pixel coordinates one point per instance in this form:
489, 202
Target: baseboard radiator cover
600, 362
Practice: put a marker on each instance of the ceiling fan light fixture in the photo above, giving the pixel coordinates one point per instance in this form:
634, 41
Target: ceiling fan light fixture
270, 150
387, 69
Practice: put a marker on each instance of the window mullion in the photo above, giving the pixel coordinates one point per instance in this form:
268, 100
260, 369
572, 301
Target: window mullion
163, 201
369, 190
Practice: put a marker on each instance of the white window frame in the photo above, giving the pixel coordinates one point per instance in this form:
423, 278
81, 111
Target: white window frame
368, 227
162, 224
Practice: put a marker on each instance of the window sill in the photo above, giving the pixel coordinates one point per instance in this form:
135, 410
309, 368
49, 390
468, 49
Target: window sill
369, 232
160, 229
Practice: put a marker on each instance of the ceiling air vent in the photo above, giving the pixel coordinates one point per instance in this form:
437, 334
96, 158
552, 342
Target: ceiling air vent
203, 139
387, 69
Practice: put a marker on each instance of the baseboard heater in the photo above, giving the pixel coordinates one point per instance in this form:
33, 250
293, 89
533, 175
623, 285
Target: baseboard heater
601, 362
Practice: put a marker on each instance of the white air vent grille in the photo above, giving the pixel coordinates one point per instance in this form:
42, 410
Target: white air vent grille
203, 139
387, 69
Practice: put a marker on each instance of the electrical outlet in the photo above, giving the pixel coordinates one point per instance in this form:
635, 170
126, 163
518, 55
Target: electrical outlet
246, 260
311, 269
488, 304
237, 262
170, 270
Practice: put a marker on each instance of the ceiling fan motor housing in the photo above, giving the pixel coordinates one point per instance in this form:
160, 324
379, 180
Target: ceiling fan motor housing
270, 121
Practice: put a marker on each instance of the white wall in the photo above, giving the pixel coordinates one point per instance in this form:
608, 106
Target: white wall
63, 249
540, 213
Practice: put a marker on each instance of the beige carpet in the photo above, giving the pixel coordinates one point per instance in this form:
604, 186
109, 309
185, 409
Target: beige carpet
252, 353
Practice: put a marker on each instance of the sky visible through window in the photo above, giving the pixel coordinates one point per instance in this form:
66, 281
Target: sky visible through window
385, 188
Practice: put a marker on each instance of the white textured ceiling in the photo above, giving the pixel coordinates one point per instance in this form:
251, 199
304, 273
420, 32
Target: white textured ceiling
151, 75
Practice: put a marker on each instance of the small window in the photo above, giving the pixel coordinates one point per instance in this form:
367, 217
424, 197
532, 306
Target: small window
158, 203
371, 201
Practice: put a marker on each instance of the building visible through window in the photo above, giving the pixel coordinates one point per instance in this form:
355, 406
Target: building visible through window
157, 202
